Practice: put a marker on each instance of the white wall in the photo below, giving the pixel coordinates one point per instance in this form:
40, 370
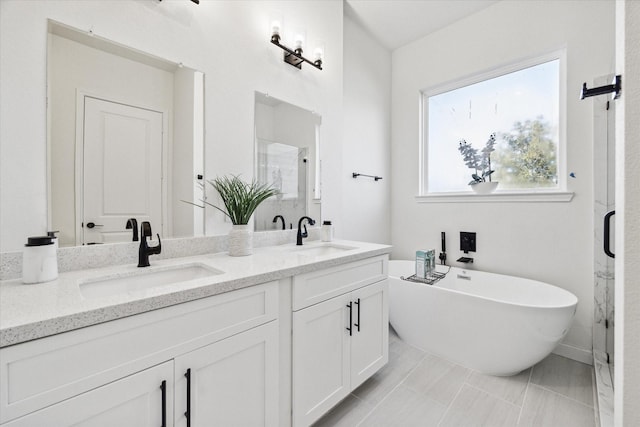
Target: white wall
627, 317
367, 130
552, 242
227, 40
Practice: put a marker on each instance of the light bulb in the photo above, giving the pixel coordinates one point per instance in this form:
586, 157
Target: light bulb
297, 41
275, 28
317, 53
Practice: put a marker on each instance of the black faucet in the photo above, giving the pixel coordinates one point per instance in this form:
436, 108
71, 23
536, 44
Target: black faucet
443, 254
275, 219
300, 233
132, 224
145, 250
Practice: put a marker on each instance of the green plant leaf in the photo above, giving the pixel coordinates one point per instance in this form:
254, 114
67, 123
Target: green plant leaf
240, 198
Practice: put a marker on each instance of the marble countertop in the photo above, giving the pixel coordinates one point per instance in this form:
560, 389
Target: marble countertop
29, 312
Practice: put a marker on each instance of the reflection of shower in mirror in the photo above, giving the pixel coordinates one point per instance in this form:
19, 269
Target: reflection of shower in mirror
286, 157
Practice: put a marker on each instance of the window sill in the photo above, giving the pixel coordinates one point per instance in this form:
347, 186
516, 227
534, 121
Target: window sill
508, 197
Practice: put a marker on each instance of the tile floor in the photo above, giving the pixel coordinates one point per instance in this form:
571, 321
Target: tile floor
418, 389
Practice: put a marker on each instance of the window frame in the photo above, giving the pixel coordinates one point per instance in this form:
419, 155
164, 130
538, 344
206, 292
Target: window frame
521, 195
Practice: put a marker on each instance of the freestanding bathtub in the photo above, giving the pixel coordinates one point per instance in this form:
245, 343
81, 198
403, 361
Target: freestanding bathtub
492, 323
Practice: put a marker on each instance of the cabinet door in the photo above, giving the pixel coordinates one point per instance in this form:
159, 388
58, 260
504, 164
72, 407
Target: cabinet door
134, 401
233, 382
320, 358
370, 340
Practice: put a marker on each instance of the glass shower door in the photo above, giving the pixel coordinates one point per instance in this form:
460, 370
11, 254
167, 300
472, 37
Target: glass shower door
604, 198
609, 225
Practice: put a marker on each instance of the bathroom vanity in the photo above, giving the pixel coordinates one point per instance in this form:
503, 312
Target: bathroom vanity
273, 339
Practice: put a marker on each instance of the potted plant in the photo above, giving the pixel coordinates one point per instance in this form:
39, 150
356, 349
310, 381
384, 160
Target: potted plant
240, 201
481, 163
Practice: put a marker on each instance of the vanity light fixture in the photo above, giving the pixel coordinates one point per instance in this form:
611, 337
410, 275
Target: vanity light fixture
294, 56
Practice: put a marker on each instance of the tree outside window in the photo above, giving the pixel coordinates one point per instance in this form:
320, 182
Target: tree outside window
527, 157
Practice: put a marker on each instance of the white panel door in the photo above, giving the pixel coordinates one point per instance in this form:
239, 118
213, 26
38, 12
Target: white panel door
134, 401
122, 165
370, 340
321, 369
233, 382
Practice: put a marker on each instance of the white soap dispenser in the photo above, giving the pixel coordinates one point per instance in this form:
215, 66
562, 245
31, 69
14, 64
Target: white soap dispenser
39, 260
327, 231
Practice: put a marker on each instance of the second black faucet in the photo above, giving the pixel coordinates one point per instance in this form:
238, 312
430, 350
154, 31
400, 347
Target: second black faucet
301, 234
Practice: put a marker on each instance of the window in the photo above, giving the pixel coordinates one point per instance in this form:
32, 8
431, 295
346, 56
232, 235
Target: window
520, 105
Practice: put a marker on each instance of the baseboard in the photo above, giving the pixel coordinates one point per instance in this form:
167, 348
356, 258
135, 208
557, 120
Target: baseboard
574, 353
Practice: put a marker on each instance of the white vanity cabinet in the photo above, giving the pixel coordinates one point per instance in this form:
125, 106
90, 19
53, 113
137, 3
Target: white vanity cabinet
144, 399
280, 353
340, 334
233, 382
111, 374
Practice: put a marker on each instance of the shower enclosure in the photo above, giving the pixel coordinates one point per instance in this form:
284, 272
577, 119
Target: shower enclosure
604, 223
604, 198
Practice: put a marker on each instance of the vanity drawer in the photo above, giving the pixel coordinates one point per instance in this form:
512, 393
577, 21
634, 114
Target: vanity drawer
312, 288
45, 371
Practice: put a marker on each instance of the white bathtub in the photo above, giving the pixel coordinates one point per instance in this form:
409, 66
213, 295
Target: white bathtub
495, 324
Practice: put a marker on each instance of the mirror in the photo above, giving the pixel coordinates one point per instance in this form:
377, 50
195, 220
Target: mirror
125, 140
287, 148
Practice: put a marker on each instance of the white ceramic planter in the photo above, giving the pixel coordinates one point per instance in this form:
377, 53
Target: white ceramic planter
240, 240
484, 187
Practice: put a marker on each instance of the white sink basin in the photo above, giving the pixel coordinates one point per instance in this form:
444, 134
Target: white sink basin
144, 279
321, 249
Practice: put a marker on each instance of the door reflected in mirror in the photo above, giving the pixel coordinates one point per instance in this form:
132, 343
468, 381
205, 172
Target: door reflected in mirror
125, 140
287, 147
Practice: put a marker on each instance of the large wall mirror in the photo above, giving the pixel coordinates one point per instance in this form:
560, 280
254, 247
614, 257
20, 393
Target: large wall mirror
287, 157
125, 140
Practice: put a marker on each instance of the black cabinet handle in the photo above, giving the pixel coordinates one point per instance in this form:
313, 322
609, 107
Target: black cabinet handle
607, 233
163, 387
93, 224
350, 328
357, 325
187, 413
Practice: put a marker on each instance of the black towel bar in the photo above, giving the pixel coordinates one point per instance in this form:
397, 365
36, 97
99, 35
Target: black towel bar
615, 86
377, 178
